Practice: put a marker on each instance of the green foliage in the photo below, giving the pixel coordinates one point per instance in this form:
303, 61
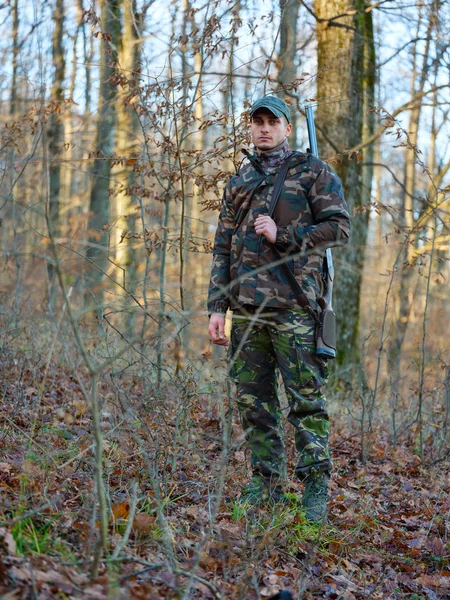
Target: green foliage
37, 535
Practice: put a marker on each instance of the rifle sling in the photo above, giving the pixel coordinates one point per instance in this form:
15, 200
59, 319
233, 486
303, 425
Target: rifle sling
299, 295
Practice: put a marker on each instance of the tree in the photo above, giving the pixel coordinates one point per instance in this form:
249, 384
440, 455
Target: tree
98, 247
406, 272
287, 65
55, 134
346, 78
127, 148
15, 56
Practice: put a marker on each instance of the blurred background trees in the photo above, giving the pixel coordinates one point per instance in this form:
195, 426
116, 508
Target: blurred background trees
121, 121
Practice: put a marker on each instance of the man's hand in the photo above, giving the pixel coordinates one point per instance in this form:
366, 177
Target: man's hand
266, 226
216, 329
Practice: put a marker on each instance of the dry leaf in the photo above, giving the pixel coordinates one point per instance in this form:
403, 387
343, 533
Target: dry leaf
434, 581
334, 547
121, 511
436, 546
415, 543
143, 523
32, 469
49, 576
7, 541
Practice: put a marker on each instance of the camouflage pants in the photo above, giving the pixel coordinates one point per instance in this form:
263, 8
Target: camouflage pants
261, 345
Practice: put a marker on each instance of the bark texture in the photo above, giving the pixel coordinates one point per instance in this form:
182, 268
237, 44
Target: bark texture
287, 61
127, 144
13, 106
98, 247
55, 135
127, 149
345, 91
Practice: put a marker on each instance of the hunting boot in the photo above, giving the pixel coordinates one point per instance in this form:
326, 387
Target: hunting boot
260, 489
315, 497
253, 493
274, 491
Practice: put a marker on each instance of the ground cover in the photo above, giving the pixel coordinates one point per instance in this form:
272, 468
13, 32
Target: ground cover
172, 476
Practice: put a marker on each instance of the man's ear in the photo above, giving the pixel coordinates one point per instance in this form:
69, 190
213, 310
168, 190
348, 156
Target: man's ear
288, 129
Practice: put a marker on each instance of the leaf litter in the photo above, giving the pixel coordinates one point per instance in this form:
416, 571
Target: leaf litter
387, 535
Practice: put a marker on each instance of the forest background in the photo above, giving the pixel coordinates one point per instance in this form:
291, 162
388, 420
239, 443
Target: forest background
121, 121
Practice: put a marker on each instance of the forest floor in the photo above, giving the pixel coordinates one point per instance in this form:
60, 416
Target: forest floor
387, 536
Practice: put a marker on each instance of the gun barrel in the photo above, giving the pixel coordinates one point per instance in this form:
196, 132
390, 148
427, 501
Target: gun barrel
330, 265
312, 131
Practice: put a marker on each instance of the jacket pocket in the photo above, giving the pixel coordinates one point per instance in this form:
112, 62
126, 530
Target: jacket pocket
312, 371
310, 280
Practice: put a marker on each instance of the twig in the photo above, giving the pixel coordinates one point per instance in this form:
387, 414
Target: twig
27, 435
153, 566
30, 513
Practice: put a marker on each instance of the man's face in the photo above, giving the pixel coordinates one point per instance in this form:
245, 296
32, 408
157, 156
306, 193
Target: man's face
267, 130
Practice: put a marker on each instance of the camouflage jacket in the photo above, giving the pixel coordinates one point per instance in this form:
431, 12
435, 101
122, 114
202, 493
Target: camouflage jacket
311, 215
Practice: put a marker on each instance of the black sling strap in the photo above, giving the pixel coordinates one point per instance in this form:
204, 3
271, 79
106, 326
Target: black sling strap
299, 295
278, 186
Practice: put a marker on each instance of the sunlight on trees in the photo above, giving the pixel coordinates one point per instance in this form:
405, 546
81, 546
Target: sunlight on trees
121, 122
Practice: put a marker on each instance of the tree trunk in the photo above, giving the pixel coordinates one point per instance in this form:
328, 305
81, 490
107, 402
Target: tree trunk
191, 142
198, 229
377, 255
287, 71
127, 149
231, 159
69, 132
88, 56
8, 191
98, 248
55, 135
346, 78
13, 107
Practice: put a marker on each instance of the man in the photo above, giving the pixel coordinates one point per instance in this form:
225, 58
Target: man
270, 331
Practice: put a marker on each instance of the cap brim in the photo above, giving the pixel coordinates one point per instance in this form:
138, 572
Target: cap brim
272, 110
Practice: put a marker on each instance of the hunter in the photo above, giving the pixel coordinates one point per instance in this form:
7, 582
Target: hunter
270, 331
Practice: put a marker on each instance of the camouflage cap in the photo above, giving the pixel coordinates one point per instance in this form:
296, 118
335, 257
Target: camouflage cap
277, 106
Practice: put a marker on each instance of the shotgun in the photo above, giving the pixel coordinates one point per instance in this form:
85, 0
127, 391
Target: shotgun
326, 337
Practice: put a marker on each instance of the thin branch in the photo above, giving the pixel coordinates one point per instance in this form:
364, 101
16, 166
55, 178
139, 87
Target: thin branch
331, 22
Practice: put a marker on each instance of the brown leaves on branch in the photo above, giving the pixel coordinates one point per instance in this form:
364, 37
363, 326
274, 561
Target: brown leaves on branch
339, 158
